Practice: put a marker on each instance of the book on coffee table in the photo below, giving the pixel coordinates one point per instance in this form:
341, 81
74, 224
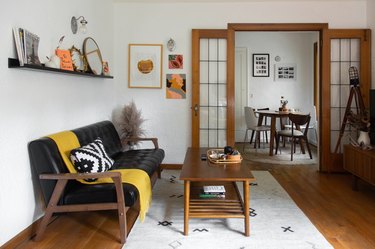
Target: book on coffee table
214, 189
204, 195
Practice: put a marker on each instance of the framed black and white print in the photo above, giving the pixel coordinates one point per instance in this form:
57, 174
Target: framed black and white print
261, 65
285, 71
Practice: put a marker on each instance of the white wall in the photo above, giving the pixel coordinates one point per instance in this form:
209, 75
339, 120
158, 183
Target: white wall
371, 25
169, 120
293, 48
34, 104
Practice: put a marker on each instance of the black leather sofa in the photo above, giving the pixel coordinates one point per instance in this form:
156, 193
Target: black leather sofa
45, 159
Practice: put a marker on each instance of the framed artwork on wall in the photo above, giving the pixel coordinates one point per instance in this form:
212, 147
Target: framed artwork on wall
145, 65
175, 61
261, 65
176, 86
286, 71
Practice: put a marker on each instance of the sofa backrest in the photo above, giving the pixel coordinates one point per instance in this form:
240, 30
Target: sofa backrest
106, 131
45, 156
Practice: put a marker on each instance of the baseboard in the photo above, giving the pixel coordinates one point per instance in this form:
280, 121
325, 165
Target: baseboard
27, 234
171, 166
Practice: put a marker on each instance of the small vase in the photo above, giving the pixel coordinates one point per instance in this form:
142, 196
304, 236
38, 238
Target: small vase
363, 139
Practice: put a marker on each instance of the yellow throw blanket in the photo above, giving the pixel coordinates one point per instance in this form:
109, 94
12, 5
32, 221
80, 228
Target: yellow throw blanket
66, 141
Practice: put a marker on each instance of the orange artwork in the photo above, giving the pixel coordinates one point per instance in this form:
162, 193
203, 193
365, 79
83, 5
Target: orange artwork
176, 86
65, 59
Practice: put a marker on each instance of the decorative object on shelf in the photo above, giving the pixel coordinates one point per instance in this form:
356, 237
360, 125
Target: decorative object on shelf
129, 124
53, 62
93, 56
171, 45
175, 61
362, 123
261, 65
176, 86
277, 58
105, 68
74, 25
286, 71
65, 59
79, 62
364, 140
145, 65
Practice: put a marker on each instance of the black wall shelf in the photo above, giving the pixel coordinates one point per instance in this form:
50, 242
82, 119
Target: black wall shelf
14, 63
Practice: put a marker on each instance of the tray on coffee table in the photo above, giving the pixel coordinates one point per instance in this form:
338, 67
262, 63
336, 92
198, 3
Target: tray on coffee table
218, 156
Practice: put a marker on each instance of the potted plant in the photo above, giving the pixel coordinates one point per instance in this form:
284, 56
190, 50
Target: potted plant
361, 122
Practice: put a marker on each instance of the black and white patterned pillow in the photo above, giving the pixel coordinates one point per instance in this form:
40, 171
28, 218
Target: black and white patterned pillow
91, 158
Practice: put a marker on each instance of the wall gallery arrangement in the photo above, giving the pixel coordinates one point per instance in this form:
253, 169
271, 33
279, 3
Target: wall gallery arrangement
145, 65
261, 64
176, 86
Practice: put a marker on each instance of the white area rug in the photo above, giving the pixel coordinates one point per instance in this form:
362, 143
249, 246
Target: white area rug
275, 221
262, 155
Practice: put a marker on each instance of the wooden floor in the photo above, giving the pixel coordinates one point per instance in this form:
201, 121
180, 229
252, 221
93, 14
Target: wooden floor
345, 217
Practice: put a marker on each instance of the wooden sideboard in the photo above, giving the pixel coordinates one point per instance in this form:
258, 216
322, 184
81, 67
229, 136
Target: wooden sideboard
360, 163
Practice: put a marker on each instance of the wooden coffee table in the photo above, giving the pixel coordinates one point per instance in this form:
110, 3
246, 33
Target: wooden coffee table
197, 173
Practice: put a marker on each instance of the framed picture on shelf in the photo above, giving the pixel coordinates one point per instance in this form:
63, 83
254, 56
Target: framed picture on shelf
261, 65
145, 65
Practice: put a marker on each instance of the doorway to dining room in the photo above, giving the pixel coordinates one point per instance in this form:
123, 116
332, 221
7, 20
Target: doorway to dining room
274, 65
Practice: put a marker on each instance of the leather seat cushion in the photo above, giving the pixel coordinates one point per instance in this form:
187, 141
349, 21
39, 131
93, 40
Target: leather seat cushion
78, 193
145, 159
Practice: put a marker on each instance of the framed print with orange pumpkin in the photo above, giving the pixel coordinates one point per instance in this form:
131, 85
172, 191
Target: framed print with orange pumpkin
145, 65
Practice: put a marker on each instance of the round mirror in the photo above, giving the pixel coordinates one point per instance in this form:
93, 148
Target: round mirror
79, 62
93, 56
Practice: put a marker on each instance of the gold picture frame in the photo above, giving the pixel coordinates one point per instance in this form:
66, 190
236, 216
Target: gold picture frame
145, 65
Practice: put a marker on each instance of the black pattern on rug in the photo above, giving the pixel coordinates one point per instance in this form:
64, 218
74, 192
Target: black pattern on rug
172, 179
252, 212
165, 223
287, 229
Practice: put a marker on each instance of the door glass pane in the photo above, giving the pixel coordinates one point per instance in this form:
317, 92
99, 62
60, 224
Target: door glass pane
213, 97
344, 54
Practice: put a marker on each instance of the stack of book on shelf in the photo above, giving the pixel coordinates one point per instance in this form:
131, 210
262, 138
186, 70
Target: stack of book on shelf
213, 192
27, 46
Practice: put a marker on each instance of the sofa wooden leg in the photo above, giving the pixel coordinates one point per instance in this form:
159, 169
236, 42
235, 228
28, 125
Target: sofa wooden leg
159, 172
121, 209
59, 188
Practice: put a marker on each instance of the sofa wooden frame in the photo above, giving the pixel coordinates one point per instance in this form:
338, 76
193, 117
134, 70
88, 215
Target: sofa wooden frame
62, 180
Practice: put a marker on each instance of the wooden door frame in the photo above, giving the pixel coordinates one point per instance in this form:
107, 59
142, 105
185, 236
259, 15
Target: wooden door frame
198, 34
233, 27
333, 163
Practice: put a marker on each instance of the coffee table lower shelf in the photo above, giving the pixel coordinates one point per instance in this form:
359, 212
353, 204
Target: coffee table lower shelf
215, 209
231, 206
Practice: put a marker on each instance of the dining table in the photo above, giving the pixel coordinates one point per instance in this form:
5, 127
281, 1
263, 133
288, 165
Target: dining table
273, 115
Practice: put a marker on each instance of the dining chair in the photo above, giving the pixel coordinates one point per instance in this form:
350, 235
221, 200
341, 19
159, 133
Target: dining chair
264, 124
252, 124
313, 125
295, 133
